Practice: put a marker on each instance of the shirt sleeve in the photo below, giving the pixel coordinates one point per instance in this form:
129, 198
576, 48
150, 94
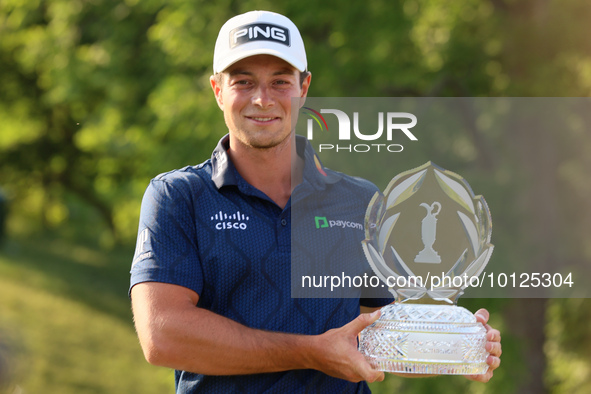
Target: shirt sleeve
166, 249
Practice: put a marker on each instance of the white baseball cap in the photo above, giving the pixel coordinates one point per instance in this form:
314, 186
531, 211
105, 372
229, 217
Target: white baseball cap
259, 33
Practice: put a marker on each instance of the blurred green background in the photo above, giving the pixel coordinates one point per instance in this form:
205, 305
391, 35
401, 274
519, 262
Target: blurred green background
99, 96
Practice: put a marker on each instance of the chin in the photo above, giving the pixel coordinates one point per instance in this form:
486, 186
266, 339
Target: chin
263, 146
264, 143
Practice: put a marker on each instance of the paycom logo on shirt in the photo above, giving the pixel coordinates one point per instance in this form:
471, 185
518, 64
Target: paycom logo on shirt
323, 222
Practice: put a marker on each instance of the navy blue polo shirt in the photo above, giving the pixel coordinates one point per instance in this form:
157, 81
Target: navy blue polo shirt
205, 228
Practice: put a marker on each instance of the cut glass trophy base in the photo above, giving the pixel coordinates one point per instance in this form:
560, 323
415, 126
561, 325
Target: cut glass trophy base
425, 339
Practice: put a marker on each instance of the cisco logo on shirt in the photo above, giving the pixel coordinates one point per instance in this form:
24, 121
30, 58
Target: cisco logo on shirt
230, 221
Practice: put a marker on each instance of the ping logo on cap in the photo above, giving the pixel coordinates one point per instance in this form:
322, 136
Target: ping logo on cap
259, 32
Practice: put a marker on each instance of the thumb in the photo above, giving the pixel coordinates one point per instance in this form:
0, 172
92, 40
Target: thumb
363, 320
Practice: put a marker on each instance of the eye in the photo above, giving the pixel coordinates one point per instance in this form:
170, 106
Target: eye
240, 82
282, 83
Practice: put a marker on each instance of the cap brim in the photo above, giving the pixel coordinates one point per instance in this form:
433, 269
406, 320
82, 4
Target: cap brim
228, 61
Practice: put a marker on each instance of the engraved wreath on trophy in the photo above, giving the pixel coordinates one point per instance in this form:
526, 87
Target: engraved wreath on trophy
451, 239
424, 233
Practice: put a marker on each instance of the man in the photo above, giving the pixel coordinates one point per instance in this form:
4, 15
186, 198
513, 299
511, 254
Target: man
210, 282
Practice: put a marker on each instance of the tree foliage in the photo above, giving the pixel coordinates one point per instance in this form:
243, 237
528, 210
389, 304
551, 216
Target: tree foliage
97, 97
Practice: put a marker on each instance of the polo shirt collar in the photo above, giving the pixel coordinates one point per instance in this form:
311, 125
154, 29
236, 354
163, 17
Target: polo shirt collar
224, 173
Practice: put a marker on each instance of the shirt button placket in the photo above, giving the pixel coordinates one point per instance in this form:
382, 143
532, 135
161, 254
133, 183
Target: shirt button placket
283, 233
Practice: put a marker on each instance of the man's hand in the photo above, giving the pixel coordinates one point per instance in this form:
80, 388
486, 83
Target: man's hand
493, 346
338, 355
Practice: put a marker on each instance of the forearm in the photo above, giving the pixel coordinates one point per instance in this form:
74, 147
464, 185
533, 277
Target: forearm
207, 343
175, 333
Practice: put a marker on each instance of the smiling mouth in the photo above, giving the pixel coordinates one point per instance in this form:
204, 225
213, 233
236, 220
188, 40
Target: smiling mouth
262, 119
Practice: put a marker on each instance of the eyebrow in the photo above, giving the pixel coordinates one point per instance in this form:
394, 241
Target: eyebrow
283, 71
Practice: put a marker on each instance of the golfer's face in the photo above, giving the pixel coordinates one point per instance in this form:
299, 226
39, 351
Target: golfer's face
255, 96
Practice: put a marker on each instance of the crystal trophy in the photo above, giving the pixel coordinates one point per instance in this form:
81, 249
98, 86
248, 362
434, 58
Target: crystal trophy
427, 236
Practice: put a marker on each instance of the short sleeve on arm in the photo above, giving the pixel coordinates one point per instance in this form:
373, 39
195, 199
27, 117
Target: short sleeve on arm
166, 249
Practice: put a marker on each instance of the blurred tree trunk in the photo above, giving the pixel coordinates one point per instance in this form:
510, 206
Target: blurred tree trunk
535, 151
529, 48
526, 320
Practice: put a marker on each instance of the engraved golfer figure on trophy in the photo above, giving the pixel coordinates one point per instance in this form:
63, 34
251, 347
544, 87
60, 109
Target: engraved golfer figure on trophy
424, 331
428, 233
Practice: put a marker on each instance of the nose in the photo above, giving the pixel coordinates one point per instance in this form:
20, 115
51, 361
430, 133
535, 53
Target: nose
262, 97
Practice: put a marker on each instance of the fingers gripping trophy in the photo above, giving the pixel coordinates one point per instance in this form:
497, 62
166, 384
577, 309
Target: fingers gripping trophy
426, 237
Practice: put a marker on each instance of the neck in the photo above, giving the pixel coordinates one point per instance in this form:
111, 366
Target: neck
274, 171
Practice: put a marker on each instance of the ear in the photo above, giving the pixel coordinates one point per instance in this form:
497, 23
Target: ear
305, 87
217, 90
